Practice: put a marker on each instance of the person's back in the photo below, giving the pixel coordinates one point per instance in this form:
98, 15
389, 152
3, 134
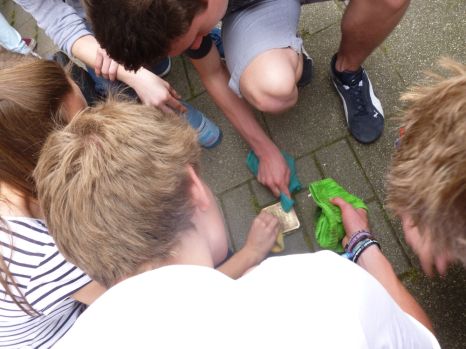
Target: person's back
298, 301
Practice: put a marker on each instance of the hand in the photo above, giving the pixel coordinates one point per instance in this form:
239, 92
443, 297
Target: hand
156, 92
105, 66
274, 172
262, 236
423, 247
354, 220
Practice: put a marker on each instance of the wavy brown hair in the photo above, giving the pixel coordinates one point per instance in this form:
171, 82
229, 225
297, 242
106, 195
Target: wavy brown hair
427, 178
140, 32
32, 92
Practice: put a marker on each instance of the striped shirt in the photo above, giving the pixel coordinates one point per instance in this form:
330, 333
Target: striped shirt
45, 279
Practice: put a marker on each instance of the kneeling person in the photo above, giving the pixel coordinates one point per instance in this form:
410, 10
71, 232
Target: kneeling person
126, 204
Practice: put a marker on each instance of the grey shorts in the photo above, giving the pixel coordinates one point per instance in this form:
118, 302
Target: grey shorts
247, 33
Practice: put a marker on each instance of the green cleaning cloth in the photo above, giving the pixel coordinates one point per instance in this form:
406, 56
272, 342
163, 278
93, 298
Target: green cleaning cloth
329, 226
287, 203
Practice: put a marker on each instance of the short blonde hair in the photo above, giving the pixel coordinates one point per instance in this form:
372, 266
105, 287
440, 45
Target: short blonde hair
114, 187
427, 178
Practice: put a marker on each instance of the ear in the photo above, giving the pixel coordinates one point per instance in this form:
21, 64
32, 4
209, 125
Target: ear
199, 194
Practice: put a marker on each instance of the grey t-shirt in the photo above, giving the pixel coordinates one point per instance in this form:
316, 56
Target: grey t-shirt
63, 22
235, 5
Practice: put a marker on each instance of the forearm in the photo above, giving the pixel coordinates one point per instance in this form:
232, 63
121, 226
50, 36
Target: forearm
375, 263
215, 78
238, 264
85, 49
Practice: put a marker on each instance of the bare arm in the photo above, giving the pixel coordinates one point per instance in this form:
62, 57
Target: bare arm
150, 88
89, 293
376, 264
273, 170
261, 237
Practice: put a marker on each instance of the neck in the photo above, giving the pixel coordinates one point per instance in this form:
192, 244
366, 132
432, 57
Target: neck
15, 203
192, 249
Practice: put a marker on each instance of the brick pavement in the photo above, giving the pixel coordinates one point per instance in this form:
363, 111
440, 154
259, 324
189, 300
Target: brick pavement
314, 133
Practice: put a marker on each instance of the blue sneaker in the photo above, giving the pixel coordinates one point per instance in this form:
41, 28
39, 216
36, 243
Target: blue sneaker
163, 68
209, 134
363, 110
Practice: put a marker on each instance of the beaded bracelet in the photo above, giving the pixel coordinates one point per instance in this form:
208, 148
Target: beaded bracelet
356, 238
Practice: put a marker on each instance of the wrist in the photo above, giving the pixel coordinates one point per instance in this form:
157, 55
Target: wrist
251, 256
369, 255
264, 147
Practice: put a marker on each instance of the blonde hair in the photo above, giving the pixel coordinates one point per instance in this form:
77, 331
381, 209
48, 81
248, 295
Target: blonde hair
32, 92
114, 187
427, 178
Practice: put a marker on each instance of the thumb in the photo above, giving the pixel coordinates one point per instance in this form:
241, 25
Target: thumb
339, 202
284, 189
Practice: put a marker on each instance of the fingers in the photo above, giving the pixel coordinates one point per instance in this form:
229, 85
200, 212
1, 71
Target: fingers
113, 69
99, 59
342, 204
175, 104
173, 92
267, 218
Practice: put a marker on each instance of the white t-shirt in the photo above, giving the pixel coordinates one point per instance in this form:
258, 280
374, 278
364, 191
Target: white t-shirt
46, 280
315, 300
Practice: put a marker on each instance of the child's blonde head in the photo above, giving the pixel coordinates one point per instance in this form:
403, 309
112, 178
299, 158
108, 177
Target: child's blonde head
427, 178
114, 187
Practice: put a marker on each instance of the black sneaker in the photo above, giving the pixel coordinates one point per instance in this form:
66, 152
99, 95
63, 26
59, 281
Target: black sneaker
363, 110
306, 75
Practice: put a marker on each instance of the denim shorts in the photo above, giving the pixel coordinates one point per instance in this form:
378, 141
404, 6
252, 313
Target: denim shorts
267, 25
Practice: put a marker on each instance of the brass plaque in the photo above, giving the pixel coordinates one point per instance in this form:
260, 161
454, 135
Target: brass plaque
288, 221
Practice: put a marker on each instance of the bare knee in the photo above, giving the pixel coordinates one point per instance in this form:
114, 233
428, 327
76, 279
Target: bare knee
269, 81
272, 93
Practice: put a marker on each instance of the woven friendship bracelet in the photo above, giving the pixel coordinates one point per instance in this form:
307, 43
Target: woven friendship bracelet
362, 247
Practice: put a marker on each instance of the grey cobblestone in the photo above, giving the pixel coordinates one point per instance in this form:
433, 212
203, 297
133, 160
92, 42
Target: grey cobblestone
239, 212
338, 162
315, 133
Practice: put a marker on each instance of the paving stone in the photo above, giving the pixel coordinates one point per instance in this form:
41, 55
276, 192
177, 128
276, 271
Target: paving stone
429, 30
444, 302
307, 171
375, 157
263, 195
178, 79
224, 166
306, 210
239, 212
8, 10
294, 243
195, 83
21, 17
391, 246
315, 17
338, 162
318, 117
386, 81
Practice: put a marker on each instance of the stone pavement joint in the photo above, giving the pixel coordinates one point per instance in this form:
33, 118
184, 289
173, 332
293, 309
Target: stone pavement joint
315, 133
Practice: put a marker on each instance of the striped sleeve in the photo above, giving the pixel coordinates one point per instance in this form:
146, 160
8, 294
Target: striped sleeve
53, 281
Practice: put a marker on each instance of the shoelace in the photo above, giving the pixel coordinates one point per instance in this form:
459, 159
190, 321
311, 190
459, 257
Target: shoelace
355, 90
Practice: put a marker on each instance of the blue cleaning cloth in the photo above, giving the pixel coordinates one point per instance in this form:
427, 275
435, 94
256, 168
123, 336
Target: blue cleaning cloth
287, 203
